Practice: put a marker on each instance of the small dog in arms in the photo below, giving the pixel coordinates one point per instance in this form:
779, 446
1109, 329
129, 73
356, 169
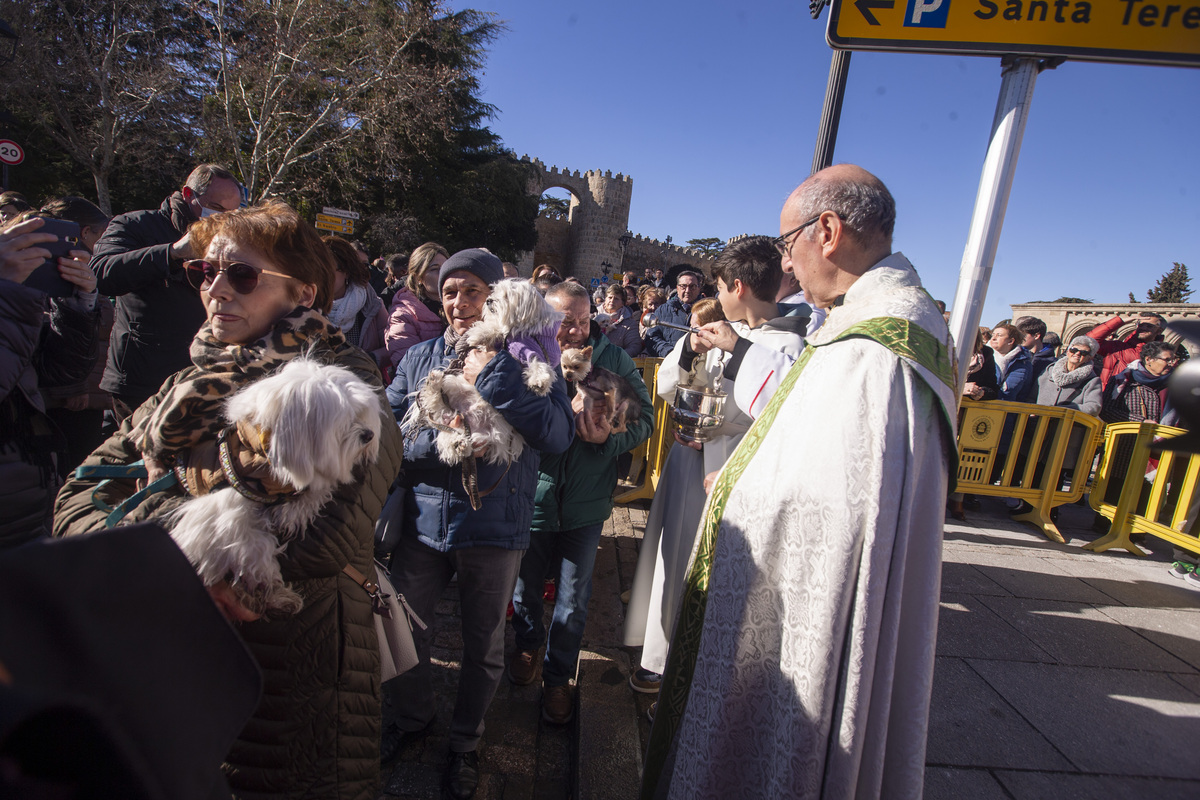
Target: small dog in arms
601, 386
314, 423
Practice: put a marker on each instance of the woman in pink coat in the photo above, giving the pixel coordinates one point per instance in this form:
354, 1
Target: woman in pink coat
416, 314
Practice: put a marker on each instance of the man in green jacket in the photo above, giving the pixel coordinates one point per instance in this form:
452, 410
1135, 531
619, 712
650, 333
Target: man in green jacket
574, 498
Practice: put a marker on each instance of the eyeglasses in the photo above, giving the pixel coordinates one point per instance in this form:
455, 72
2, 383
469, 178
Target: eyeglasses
1164, 359
243, 278
1080, 352
781, 242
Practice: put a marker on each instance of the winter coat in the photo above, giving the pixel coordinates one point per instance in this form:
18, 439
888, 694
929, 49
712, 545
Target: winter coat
410, 322
622, 331
34, 353
987, 377
1116, 354
374, 319
436, 508
659, 341
316, 731
1085, 396
1038, 362
1016, 377
158, 312
575, 488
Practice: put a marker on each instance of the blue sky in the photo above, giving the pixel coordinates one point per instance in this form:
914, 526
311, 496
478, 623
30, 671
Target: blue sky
713, 108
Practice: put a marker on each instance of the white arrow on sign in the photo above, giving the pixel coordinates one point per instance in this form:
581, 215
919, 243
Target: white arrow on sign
11, 153
338, 212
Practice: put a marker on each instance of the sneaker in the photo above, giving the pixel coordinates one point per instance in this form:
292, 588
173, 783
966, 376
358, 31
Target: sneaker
1181, 569
1013, 503
558, 704
462, 775
523, 666
1193, 579
645, 681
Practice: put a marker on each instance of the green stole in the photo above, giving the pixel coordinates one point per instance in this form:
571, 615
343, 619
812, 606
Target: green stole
907, 340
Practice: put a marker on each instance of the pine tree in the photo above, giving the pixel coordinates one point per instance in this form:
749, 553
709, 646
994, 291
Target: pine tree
1172, 287
1133, 299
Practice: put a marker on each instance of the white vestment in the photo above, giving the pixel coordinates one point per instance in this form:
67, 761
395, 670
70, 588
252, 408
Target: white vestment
812, 656
679, 497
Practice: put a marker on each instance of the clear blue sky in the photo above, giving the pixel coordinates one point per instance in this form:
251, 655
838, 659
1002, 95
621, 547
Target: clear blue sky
713, 107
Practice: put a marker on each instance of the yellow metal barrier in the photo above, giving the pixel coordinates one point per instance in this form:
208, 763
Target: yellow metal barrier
1159, 507
649, 456
1020, 450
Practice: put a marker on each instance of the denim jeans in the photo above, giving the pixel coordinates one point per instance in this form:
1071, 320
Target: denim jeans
577, 549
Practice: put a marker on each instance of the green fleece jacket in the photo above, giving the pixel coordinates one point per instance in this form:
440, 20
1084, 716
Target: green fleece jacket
575, 488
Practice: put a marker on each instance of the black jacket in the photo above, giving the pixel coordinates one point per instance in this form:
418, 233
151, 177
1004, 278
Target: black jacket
157, 310
58, 351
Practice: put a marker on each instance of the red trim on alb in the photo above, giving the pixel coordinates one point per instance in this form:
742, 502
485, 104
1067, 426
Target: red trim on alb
759, 392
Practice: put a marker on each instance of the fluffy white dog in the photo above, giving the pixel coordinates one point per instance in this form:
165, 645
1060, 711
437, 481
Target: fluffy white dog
516, 317
315, 423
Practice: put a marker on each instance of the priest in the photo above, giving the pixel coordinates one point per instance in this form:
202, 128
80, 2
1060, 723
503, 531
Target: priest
802, 661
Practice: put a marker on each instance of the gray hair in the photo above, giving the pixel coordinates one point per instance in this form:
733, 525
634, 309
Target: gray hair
865, 207
568, 290
1086, 341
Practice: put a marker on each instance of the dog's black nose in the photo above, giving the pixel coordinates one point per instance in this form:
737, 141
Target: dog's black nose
366, 436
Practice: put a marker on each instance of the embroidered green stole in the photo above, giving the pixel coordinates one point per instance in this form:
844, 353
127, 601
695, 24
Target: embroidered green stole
905, 339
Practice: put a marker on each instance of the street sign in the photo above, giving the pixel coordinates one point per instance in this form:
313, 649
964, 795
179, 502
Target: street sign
1133, 31
337, 212
11, 153
333, 220
346, 227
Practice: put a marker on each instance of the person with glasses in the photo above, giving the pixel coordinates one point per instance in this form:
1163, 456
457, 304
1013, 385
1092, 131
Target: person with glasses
689, 284
265, 281
139, 261
1139, 392
1118, 353
802, 660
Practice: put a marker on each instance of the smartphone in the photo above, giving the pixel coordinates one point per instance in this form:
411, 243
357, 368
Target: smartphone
46, 277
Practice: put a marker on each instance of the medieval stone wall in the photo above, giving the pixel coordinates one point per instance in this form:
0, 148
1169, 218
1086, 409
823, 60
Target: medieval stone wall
644, 253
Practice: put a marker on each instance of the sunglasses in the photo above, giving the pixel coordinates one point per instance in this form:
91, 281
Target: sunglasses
243, 278
1080, 352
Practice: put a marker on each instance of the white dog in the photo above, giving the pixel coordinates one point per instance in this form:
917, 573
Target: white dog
516, 317
318, 422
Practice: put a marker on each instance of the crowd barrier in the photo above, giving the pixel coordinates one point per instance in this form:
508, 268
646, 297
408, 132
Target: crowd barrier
648, 457
1027, 452
1160, 503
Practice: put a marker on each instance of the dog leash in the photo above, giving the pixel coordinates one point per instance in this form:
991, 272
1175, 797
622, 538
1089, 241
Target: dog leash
111, 472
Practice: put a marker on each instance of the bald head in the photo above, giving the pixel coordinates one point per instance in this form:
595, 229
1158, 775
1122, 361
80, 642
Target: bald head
860, 200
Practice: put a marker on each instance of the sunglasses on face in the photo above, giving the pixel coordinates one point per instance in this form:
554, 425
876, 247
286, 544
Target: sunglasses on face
1079, 352
243, 278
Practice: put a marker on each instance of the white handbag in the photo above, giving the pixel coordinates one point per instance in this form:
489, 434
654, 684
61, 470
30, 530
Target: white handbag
394, 620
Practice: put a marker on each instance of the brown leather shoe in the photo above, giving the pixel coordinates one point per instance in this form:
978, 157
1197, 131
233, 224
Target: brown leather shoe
558, 704
523, 666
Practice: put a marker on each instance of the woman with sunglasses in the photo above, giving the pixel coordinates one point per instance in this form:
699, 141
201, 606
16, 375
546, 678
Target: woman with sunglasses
266, 281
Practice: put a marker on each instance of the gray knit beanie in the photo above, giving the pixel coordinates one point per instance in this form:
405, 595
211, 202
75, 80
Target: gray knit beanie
479, 263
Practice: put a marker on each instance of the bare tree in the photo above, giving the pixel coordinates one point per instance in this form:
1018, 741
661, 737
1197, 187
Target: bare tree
310, 91
106, 80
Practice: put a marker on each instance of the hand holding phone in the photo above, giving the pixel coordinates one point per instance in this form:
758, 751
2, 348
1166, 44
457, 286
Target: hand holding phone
21, 250
47, 277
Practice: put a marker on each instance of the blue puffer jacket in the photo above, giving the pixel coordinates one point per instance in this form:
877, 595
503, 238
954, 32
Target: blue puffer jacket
436, 509
661, 341
1017, 377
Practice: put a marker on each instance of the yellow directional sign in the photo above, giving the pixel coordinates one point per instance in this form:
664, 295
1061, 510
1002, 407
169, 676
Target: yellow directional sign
1136, 31
339, 226
333, 220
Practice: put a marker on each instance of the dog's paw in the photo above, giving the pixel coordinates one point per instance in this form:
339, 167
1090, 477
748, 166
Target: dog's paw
283, 600
539, 377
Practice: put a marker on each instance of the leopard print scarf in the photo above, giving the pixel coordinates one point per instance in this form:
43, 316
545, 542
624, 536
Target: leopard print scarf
190, 411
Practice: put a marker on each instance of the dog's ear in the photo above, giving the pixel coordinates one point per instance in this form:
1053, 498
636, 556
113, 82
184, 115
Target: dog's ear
587, 352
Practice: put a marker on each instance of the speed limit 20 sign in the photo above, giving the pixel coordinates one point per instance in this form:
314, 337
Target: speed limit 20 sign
11, 153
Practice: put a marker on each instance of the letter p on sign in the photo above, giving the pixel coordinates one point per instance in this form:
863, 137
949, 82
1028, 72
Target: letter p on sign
927, 13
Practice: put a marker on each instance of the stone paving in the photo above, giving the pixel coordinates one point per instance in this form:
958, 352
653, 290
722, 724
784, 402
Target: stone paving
1060, 673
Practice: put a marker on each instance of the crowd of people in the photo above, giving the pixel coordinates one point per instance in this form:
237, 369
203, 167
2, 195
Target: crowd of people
762, 565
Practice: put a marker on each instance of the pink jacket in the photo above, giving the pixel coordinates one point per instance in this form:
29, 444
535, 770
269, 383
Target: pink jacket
410, 323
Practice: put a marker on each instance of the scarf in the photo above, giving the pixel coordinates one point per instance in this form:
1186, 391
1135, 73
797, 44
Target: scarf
1140, 375
190, 412
346, 309
1064, 378
1002, 361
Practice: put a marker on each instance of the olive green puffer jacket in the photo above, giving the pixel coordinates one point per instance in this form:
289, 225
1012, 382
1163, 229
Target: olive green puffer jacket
316, 731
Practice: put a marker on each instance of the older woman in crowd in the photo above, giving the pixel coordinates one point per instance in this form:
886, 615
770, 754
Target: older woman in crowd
649, 299
267, 282
356, 309
621, 329
417, 308
1139, 392
1072, 381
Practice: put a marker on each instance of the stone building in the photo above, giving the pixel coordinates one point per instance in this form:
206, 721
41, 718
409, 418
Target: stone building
593, 239
1069, 320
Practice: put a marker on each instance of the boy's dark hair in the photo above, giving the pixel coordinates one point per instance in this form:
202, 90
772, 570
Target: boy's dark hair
755, 262
1031, 326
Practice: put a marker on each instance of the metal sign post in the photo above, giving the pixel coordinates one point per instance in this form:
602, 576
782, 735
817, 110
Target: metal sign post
995, 184
831, 113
